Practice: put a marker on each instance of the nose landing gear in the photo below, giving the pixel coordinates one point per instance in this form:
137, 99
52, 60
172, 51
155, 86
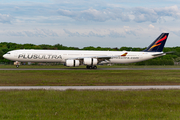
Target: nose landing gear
17, 64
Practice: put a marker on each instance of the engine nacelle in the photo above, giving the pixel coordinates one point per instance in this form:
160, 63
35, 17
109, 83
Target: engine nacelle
90, 61
72, 63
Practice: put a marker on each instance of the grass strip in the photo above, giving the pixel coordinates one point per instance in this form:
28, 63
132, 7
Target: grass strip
89, 77
41, 104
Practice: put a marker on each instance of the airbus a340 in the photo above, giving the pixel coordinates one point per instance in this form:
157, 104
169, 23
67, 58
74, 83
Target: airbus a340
75, 58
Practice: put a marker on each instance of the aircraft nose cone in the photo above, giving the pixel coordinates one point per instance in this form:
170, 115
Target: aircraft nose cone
4, 56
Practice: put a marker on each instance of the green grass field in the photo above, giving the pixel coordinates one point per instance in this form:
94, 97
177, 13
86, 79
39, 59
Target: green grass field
103, 105
89, 77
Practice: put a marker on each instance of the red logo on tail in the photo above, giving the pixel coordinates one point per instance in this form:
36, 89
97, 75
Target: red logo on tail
159, 42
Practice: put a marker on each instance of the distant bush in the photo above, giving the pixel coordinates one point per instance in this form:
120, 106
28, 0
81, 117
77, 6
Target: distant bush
156, 62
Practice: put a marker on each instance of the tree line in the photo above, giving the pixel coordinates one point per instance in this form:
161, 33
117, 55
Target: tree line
168, 59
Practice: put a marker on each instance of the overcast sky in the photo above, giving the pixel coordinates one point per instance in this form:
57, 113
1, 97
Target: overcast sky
82, 23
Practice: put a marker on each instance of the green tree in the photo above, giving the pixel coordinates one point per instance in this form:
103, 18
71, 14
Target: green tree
1, 54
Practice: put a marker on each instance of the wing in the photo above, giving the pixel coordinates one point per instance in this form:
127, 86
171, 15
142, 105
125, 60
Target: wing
99, 58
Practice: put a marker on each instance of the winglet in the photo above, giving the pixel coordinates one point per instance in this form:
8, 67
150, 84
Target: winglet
158, 44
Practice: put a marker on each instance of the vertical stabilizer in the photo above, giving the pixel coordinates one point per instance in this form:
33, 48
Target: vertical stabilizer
158, 44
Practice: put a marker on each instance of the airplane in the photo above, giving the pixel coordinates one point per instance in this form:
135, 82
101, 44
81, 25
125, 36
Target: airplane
75, 58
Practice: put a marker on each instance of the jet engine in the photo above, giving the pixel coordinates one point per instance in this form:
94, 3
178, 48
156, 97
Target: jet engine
72, 63
90, 61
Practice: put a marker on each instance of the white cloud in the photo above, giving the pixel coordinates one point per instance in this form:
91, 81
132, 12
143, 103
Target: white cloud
106, 33
47, 32
172, 11
77, 34
129, 31
13, 33
114, 34
32, 33
82, 10
71, 34
151, 26
145, 14
177, 33
142, 14
4, 18
79, 22
95, 15
138, 14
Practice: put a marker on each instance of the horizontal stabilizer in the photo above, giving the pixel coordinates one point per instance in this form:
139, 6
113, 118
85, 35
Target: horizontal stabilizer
161, 54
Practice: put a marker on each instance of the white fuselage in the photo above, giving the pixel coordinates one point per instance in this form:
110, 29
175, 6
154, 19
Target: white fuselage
63, 55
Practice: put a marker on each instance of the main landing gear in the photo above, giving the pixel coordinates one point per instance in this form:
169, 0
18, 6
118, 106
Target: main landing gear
91, 67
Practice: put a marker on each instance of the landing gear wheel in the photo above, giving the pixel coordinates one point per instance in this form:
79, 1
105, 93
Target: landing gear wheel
94, 67
91, 67
88, 67
17, 66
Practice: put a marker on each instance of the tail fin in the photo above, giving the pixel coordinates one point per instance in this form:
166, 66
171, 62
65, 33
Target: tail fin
158, 44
